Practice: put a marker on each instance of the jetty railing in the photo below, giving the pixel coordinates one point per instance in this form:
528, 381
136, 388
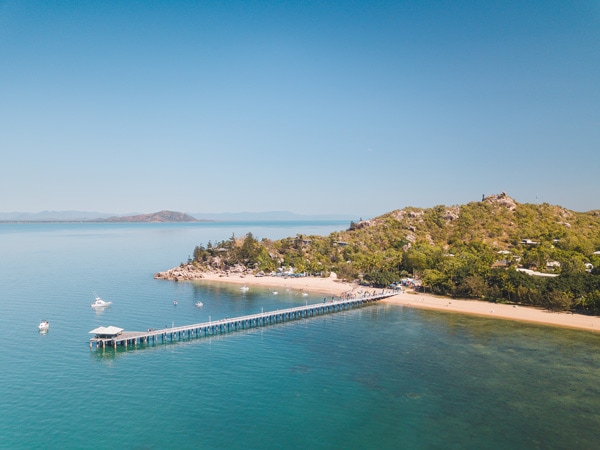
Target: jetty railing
231, 324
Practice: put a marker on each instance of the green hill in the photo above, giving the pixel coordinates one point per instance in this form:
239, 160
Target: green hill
495, 249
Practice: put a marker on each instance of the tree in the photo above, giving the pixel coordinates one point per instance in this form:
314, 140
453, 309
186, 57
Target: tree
474, 286
558, 301
438, 282
414, 261
591, 302
573, 264
250, 249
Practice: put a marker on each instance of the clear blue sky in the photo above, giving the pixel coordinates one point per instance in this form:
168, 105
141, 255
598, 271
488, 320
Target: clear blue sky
354, 107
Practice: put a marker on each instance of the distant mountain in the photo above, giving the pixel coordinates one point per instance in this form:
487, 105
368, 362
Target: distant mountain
161, 216
52, 216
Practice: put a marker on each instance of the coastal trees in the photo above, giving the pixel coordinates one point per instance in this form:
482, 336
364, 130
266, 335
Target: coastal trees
414, 260
201, 254
590, 302
556, 300
438, 282
380, 277
573, 264
473, 286
250, 250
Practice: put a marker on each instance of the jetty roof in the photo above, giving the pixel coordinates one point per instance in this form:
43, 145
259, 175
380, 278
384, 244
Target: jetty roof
106, 331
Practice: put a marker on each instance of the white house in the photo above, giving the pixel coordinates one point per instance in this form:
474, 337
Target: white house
528, 242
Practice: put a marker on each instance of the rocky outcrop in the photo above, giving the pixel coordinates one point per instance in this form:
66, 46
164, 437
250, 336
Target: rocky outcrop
501, 199
185, 272
360, 224
452, 213
415, 214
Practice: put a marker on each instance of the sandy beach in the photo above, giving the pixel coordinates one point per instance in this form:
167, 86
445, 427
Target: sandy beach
332, 286
497, 310
313, 285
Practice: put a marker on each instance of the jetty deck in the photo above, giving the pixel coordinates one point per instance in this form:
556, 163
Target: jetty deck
231, 324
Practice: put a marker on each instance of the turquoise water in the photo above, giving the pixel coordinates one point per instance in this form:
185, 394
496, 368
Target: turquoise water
378, 377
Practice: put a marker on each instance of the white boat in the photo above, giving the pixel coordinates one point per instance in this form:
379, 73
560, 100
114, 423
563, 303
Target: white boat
99, 303
174, 302
275, 292
44, 325
244, 288
199, 304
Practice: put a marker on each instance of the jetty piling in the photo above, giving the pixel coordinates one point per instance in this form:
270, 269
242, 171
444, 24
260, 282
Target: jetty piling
231, 324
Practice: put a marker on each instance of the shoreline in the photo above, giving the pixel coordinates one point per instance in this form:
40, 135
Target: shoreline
332, 286
503, 311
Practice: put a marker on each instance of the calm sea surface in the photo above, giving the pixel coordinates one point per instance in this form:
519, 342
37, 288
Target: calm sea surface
382, 377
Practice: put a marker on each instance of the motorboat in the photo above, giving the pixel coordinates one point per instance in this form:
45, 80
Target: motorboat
275, 292
244, 288
99, 303
199, 304
174, 302
44, 325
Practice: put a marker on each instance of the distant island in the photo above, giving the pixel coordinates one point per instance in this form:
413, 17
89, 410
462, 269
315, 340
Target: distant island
161, 216
164, 216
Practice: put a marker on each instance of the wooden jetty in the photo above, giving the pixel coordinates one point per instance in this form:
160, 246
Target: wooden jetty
230, 324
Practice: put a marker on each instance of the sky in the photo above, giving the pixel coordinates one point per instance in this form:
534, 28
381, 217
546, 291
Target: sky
314, 107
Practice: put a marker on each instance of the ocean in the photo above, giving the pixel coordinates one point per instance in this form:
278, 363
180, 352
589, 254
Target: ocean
382, 376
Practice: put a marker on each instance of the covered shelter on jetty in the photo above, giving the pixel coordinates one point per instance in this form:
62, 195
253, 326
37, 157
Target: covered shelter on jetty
106, 332
106, 335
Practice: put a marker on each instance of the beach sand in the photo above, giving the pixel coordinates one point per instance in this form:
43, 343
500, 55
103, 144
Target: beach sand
497, 310
309, 285
332, 286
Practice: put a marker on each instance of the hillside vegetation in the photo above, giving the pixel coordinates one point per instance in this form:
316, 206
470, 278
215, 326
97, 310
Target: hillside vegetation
477, 250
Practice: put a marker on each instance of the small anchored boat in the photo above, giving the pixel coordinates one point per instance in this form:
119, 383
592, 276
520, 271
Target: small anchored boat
99, 303
244, 288
199, 304
44, 325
